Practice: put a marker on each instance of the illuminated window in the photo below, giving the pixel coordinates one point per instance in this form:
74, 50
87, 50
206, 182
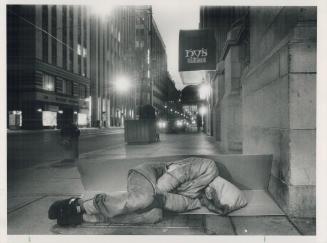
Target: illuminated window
48, 82
84, 52
148, 56
79, 50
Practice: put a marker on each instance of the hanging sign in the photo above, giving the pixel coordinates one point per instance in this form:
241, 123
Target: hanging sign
197, 50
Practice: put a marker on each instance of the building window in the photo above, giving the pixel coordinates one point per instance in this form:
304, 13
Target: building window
140, 32
85, 35
68, 87
54, 34
79, 63
79, 49
64, 37
44, 33
84, 54
82, 91
79, 39
59, 86
71, 38
148, 56
75, 89
48, 82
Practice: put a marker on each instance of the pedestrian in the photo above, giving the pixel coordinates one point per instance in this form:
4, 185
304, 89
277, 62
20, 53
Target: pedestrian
70, 135
175, 186
198, 122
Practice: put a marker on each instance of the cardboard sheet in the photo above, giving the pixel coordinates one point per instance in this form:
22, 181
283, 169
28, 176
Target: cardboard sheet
259, 204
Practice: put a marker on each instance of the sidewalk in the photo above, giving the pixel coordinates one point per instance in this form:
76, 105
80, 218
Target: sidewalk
83, 130
37, 187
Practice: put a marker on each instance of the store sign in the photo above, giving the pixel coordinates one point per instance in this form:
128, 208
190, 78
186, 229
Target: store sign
197, 50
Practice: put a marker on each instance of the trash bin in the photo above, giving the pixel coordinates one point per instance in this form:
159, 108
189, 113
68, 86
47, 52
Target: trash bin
70, 141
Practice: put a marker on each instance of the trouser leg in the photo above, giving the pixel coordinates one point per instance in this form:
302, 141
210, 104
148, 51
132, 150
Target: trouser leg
139, 195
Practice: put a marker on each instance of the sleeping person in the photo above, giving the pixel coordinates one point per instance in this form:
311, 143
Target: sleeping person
177, 186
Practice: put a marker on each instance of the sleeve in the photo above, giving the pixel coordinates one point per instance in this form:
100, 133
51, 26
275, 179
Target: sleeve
166, 183
192, 188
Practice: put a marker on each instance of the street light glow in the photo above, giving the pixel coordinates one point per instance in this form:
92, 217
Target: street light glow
101, 10
122, 84
203, 110
204, 91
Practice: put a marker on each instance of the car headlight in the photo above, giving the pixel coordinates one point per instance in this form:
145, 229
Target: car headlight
162, 124
179, 123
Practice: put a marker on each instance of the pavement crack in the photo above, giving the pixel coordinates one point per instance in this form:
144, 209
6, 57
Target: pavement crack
233, 225
25, 204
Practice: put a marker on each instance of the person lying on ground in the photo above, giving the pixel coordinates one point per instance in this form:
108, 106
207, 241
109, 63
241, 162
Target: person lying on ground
175, 186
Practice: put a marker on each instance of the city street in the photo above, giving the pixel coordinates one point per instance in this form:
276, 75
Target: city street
113, 100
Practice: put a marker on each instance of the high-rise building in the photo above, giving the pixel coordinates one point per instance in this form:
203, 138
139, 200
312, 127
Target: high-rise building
69, 63
113, 66
143, 55
158, 69
48, 62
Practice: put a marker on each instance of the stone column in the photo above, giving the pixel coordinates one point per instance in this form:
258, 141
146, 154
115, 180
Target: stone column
231, 104
296, 192
279, 109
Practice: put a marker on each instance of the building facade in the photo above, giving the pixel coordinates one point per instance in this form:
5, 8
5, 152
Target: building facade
263, 98
68, 63
158, 69
143, 56
48, 59
113, 61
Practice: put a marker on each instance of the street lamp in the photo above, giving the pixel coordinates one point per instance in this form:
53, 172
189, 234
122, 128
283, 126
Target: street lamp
122, 84
204, 91
203, 110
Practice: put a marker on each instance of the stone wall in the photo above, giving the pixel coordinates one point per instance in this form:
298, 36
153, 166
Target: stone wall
278, 100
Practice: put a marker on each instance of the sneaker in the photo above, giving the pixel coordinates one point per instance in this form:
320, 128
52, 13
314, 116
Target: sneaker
67, 212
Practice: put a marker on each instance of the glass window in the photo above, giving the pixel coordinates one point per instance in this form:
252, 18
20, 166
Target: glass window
59, 86
45, 34
84, 52
64, 36
48, 82
75, 89
82, 91
49, 118
54, 34
71, 38
69, 87
79, 49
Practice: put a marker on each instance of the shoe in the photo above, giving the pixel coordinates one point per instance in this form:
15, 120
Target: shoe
67, 212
